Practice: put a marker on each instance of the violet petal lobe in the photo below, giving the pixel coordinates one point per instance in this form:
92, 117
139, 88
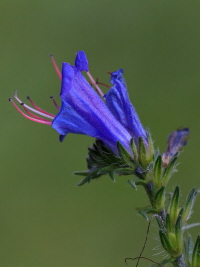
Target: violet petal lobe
81, 62
84, 112
117, 100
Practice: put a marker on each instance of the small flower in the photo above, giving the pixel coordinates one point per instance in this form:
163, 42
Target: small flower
110, 118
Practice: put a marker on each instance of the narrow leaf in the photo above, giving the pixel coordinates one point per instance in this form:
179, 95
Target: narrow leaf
196, 254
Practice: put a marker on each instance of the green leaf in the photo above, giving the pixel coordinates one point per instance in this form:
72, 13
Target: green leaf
196, 254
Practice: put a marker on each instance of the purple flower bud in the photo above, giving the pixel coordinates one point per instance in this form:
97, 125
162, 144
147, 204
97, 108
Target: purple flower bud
176, 141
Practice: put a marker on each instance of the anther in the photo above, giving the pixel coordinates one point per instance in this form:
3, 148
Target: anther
55, 104
39, 109
10, 99
36, 109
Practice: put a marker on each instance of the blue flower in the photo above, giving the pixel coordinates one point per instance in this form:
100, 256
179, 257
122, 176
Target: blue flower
84, 111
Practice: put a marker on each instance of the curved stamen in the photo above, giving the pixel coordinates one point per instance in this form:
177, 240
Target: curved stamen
34, 110
56, 67
33, 115
28, 117
37, 108
54, 101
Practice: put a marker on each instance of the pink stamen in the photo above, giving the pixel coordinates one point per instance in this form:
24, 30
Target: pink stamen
28, 117
56, 67
44, 114
33, 115
98, 89
39, 109
56, 105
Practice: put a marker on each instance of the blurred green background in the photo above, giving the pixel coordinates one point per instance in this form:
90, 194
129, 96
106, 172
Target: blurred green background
45, 219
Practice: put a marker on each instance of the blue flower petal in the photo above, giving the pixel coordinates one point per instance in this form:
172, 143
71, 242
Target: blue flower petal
81, 62
117, 100
84, 112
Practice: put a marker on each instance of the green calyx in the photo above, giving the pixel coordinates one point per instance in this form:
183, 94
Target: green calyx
101, 160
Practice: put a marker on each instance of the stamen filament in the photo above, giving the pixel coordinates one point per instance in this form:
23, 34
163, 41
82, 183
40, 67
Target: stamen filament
37, 108
97, 82
51, 116
98, 89
28, 117
33, 115
54, 101
56, 67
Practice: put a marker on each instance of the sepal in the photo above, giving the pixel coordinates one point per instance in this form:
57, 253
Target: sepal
165, 242
169, 170
188, 250
136, 182
179, 231
173, 212
145, 211
158, 172
134, 150
196, 254
189, 204
160, 199
101, 160
124, 155
145, 151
